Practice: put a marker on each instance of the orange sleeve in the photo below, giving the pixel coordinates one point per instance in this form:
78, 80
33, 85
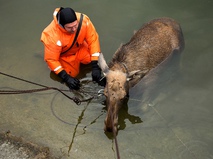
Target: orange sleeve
92, 39
52, 50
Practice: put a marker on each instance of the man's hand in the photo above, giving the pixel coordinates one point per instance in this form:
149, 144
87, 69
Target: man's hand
96, 71
72, 83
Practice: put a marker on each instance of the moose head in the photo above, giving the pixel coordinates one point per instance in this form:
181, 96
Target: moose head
116, 90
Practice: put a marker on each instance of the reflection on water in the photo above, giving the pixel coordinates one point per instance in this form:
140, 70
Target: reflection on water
125, 115
170, 118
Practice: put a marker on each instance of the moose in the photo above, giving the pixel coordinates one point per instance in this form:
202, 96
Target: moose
147, 48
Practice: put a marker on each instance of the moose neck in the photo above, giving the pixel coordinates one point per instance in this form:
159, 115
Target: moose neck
120, 66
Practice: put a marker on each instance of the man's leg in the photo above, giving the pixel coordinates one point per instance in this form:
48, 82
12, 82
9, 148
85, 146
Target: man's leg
71, 64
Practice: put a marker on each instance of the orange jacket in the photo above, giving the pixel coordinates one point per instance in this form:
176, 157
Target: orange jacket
57, 40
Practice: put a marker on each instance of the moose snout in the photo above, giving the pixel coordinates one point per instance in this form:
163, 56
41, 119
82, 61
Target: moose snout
111, 123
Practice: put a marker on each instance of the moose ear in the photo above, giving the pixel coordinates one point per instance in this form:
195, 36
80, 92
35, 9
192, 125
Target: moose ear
137, 74
102, 64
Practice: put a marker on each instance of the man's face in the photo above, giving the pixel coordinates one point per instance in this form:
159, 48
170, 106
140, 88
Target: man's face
71, 27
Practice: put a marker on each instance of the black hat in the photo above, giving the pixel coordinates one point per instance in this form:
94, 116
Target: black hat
67, 15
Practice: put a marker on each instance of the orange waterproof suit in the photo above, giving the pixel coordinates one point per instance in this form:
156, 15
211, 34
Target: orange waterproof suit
57, 40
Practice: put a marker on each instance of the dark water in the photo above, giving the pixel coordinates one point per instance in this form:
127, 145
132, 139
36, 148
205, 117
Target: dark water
169, 118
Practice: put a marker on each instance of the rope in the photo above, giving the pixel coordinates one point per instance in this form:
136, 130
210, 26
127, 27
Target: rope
6, 92
116, 145
75, 99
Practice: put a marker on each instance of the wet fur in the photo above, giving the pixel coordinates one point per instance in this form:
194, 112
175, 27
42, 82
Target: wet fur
148, 47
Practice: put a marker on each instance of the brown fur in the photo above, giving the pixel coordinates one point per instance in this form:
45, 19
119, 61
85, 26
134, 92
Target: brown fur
148, 47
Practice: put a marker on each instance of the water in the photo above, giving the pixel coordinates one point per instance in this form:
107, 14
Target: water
170, 118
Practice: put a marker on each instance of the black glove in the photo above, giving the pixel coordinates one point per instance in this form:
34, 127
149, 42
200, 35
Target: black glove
73, 83
96, 71
102, 81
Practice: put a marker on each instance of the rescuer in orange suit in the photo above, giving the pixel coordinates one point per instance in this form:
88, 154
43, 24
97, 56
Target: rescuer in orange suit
62, 55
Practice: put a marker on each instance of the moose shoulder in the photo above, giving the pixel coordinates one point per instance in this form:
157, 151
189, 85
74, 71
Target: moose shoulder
148, 47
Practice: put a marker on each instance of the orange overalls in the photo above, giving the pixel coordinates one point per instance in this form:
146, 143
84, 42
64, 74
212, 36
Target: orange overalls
56, 40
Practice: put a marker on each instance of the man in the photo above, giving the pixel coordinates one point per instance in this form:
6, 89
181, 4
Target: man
65, 47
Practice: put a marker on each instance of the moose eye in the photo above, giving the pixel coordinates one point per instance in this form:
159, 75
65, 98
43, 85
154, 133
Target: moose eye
105, 92
122, 99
